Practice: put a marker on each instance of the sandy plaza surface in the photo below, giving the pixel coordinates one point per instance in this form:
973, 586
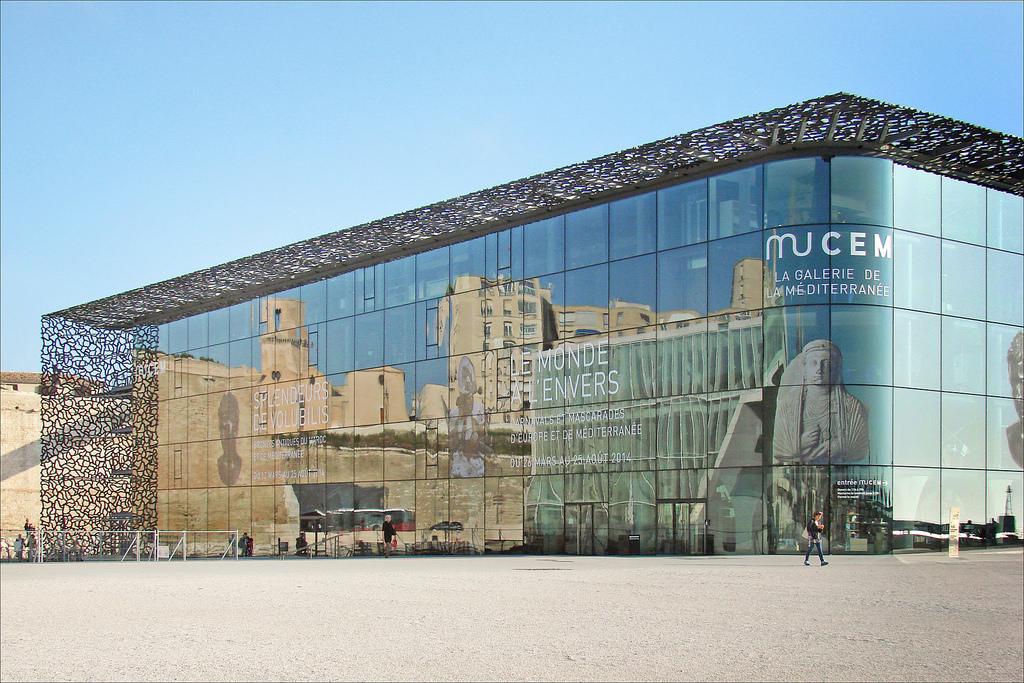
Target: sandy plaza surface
521, 618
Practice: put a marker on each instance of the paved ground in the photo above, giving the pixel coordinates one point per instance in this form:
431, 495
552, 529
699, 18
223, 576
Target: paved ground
916, 617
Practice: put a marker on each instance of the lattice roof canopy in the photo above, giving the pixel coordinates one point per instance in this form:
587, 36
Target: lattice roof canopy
840, 123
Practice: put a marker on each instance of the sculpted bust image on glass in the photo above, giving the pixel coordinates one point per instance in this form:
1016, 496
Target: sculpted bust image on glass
1015, 366
817, 419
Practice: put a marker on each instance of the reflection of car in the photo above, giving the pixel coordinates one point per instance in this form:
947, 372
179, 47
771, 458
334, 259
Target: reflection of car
447, 526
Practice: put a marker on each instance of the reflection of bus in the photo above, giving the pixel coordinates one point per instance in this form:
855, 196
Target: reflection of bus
370, 519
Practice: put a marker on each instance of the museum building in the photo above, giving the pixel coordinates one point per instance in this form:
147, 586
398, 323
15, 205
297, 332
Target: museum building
682, 348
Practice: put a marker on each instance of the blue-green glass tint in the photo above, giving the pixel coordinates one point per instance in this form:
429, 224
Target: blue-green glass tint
963, 430
963, 280
963, 211
340, 296
916, 201
1005, 287
963, 355
586, 237
862, 191
796, 192
735, 276
683, 282
544, 246
1005, 221
683, 214
633, 226
916, 494
1000, 340
431, 273
735, 205
917, 275
915, 438
964, 489
916, 349
632, 292
864, 336
400, 281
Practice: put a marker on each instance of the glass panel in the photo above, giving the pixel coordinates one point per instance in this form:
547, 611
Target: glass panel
315, 296
400, 281
586, 237
864, 333
683, 214
242, 325
796, 192
1005, 361
963, 355
1005, 434
963, 280
915, 438
917, 349
340, 346
586, 298
400, 335
683, 283
1005, 287
177, 336
916, 495
862, 190
543, 246
198, 332
369, 330
1003, 503
917, 274
735, 202
340, 296
632, 293
916, 200
467, 259
432, 273
964, 489
1005, 221
963, 211
963, 431
633, 226
736, 274
219, 326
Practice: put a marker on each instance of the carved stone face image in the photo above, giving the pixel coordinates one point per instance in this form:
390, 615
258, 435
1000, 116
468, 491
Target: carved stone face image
817, 367
229, 464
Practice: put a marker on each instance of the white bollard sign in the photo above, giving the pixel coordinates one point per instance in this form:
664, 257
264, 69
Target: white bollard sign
954, 532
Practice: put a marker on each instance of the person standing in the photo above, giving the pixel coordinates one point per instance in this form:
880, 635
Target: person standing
389, 535
815, 527
19, 547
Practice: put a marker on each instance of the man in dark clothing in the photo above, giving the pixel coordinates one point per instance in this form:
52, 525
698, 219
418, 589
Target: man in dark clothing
814, 529
389, 535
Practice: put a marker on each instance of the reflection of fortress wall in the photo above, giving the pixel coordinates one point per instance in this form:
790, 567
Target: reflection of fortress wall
371, 397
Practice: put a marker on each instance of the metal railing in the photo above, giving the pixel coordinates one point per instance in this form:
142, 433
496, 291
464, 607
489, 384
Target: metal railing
61, 545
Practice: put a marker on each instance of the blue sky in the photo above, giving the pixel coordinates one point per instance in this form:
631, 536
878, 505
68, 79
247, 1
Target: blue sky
143, 141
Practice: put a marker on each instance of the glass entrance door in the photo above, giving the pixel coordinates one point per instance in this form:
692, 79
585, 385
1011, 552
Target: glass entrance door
579, 529
681, 528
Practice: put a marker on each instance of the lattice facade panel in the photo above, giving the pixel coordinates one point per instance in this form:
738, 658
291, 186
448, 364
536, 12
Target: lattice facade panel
827, 125
99, 420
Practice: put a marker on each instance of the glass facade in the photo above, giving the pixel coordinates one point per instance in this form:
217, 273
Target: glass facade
691, 370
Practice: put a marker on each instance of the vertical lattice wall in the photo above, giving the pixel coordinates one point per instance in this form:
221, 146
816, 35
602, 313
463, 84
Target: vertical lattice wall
99, 414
